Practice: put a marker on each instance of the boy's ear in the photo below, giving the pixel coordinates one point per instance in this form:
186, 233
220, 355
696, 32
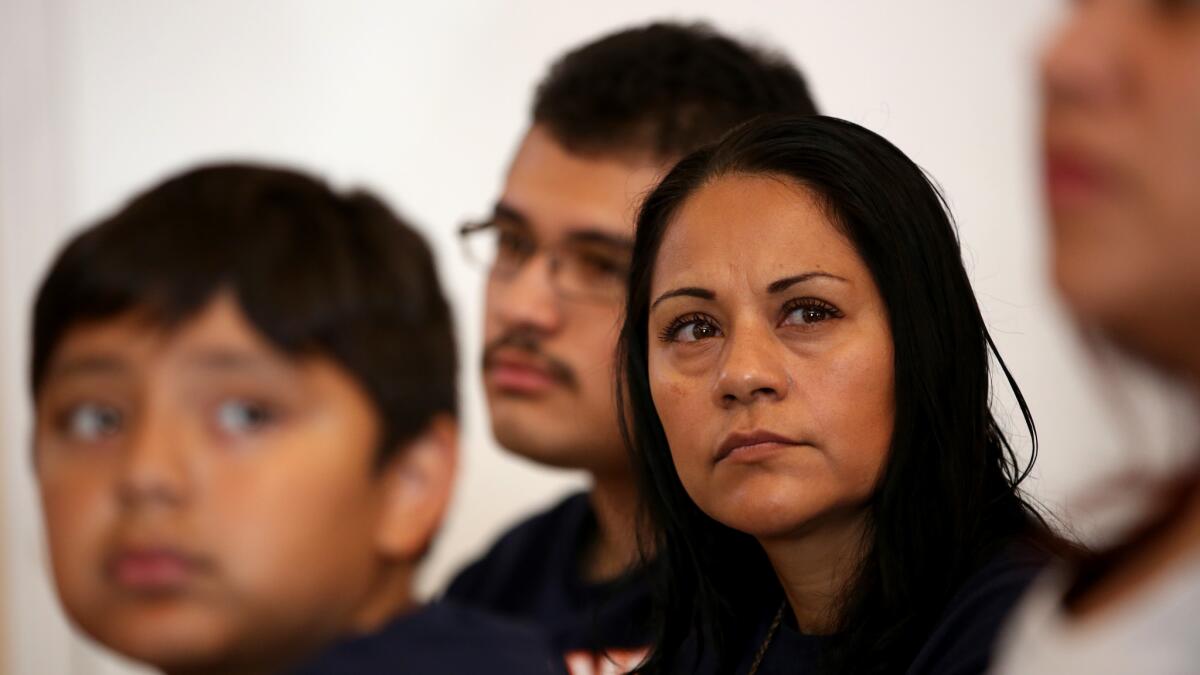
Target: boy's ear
419, 481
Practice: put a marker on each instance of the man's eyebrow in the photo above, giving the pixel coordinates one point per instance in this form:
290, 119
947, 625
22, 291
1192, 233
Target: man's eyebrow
597, 236
584, 234
91, 364
502, 211
787, 282
686, 291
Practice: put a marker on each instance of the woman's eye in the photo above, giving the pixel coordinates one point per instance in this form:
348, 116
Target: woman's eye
243, 417
809, 314
91, 422
693, 330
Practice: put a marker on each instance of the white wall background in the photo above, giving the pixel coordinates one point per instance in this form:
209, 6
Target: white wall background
425, 103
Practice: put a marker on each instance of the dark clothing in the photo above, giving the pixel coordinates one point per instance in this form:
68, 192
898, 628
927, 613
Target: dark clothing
960, 644
441, 639
533, 574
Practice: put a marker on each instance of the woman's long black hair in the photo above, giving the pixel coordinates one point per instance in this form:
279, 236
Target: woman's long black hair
948, 498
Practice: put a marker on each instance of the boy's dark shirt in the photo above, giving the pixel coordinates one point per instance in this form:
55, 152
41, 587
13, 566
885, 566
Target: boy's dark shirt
532, 574
441, 639
960, 644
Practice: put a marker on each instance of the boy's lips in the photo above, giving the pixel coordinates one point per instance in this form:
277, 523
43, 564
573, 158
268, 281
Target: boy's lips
153, 569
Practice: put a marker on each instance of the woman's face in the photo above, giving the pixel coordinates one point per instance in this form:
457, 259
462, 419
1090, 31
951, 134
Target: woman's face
1121, 129
770, 359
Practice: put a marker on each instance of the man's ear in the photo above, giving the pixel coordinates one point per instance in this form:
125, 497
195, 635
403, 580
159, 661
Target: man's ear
418, 484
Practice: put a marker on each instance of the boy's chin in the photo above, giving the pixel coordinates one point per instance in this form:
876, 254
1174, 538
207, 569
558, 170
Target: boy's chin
178, 644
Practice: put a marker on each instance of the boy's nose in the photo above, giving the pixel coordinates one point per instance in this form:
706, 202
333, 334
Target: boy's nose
155, 470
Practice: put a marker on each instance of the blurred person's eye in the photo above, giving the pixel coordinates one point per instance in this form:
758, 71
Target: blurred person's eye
513, 243
597, 263
239, 417
90, 421
594, 269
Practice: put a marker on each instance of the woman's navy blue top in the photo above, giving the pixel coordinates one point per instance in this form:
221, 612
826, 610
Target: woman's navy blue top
961, 642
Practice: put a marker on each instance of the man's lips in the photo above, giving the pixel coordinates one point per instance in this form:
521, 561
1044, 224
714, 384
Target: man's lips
751, 445
153, 569
518, 372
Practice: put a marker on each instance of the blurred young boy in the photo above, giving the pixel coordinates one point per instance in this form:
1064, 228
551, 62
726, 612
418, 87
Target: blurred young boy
246, 435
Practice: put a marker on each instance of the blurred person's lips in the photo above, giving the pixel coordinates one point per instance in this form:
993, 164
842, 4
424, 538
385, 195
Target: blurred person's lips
1073, 179
752, 446
516, 371
153, 569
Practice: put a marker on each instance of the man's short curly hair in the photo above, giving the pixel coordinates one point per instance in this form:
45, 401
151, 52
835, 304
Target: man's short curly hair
663, 89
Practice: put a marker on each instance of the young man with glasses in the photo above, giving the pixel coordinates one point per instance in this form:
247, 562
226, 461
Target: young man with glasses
608, 120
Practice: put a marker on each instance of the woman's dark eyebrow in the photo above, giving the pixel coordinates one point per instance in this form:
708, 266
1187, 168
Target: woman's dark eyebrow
688, 291
788, 282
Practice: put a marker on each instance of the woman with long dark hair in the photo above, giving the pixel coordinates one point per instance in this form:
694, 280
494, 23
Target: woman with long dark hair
809, 406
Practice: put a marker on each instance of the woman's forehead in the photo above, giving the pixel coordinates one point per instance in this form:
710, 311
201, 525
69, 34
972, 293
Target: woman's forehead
753, 228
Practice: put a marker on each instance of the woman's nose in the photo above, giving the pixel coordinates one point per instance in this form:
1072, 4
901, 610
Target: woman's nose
752, 368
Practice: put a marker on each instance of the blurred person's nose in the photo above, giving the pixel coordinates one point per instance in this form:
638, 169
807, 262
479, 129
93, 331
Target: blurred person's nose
528, 299
1084, 63
155, 470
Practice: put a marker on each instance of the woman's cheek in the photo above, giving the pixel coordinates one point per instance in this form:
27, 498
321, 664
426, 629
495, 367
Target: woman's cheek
677, 400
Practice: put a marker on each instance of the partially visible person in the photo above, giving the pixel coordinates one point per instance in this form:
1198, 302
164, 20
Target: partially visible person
810, 406
608, 119
1121, 141
246, 434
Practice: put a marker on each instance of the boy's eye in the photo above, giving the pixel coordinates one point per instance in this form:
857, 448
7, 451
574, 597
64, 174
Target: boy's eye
237, 416
91, 422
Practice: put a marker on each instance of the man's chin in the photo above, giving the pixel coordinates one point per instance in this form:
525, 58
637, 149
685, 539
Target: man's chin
531, 437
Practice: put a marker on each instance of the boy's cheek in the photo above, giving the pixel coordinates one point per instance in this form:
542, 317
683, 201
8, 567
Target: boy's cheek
75, 537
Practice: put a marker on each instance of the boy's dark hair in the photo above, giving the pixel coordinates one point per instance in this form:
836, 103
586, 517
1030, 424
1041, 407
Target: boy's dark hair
663, 89
315, 271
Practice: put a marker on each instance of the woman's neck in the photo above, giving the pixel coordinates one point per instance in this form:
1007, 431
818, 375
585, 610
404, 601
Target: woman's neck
815, 567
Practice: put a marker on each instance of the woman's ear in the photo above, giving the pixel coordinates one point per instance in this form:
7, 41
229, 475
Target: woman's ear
418, 484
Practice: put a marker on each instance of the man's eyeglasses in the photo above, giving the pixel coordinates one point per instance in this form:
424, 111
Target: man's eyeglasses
584, 266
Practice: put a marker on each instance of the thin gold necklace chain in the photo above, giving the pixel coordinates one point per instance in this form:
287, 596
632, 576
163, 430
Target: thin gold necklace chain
762, 649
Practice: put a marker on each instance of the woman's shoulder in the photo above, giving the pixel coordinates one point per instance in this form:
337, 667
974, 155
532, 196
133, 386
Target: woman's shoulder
964, 638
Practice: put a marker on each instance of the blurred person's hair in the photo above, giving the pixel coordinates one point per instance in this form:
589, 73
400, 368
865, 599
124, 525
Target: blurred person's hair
949, 496
318, 273
663, 89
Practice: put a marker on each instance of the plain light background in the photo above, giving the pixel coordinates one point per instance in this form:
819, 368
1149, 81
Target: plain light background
425, 104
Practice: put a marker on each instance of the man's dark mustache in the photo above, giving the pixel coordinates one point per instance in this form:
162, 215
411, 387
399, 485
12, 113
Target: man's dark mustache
525, 341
